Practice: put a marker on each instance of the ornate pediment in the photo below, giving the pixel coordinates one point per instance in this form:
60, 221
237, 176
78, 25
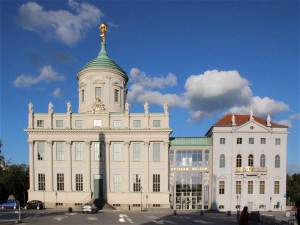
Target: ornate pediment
82, 84
98, 81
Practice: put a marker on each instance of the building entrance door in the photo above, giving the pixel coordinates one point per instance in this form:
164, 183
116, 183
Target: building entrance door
188, 202
98, 186
250, 206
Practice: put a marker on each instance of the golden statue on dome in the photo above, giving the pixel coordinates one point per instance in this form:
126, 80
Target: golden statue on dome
103, 29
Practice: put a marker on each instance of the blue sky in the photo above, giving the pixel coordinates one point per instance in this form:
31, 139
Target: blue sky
206, 58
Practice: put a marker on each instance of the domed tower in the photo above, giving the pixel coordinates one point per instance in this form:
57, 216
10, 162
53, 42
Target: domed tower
102, 83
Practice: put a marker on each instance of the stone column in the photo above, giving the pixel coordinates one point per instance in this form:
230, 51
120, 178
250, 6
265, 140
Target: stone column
69, 165
166, 166
146, 182
127, 166
31, 166
50, 166
107, 165
88, 147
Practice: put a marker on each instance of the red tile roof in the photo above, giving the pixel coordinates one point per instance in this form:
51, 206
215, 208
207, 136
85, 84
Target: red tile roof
241, 119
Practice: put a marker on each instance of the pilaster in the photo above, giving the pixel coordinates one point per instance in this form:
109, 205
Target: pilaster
50, 166
31, 165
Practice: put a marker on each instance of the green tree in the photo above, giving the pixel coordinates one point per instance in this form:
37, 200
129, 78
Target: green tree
293, 187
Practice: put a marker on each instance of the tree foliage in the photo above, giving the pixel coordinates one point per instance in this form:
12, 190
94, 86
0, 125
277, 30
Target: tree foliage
293, 187
14, 180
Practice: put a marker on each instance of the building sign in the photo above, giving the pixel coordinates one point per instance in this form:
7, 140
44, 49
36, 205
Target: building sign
189, 169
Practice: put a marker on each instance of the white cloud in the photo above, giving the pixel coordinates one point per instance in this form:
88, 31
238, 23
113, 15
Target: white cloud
61, 25
205, 94
261, 107
58, 92
215, 90
47, 75
144, 88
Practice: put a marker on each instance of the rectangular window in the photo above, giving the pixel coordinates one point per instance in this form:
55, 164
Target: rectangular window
59, 123
261, 187
222, 141
136, 150
221, 187
117, 152
171, 157
97, 123
238, 187
79, 182
78, 123
41, 182
136, 182
117, 182
136, 123
97, 151
41, 150
239, 141
276, 187
206, 157
40, 123
156, 123
156, 183
250, 187
263, 141
251, 141
277, 141
117, 123
156, 152
78, 151
98, 92
59, 151
60, 178
82, 95
116, 95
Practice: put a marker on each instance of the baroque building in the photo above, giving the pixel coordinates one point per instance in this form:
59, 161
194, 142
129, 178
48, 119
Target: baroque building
249, 163
103, 152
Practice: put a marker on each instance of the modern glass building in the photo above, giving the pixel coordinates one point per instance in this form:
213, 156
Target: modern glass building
190, 172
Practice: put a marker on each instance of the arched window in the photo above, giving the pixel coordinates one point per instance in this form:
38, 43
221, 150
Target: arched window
239, 161
262, 160
250, 160
277, 161
222, 161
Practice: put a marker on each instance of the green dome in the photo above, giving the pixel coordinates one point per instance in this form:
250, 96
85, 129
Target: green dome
103, 61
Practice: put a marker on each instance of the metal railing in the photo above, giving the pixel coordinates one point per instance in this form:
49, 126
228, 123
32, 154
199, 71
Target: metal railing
10, 215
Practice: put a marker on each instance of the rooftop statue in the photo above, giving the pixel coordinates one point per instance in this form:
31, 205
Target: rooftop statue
103, 29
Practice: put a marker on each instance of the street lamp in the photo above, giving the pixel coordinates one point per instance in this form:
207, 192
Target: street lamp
141, 198
237, 208
270, 203
55, 199
146, 201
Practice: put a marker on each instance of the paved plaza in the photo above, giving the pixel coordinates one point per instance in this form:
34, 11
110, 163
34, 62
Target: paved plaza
162, 216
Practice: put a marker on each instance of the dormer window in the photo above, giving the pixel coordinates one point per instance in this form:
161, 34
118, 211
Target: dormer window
82, 95
116, 95
98, 92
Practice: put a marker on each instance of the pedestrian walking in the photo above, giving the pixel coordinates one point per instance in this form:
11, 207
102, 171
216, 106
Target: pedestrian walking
297, 213
244, 218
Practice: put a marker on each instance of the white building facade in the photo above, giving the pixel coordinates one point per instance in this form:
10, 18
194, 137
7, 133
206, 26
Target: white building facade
249, 163
102, 153
105, 153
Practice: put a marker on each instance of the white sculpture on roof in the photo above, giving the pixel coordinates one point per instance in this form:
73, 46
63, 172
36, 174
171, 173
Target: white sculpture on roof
146, 107
233, 120
269, 120
50, 108
30, 107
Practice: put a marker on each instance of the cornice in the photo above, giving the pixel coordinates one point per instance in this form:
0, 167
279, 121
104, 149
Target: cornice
96, 131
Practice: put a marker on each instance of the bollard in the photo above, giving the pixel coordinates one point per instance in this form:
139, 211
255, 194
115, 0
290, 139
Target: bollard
201, 212
70, 209
174, 212
229, 213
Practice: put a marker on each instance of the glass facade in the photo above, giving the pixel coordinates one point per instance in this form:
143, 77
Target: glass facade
188, 190
189, 177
